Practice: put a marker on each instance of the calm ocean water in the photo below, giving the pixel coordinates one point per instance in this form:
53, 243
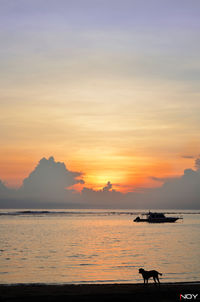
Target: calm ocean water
96, 246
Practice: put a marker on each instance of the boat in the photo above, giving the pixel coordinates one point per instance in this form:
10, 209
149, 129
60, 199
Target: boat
154, 217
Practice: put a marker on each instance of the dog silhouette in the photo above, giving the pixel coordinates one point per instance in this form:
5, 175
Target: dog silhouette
148, 274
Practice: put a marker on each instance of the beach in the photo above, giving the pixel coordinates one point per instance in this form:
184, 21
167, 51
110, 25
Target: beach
166, 292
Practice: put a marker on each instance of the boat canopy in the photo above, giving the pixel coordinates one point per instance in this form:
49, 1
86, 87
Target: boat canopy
156, 215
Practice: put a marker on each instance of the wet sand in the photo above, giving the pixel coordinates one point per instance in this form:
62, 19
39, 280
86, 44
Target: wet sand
104, 292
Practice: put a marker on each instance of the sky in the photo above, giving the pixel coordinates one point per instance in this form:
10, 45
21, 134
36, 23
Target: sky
110, 88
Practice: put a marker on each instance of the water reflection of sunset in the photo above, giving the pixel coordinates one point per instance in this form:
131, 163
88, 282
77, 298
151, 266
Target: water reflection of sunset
97, 247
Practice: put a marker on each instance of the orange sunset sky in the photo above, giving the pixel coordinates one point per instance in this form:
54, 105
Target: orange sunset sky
112, 95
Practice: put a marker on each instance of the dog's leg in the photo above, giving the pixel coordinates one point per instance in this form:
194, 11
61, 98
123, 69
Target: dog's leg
145, 281
158, 281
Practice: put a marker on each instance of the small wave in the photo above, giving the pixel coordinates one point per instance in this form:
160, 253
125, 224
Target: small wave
86, 213
15, 213
82, 213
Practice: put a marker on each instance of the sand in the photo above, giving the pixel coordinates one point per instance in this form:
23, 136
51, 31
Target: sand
104, 292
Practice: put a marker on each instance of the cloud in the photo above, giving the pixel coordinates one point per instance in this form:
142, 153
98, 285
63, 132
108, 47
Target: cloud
182, 192
108, 187
50, 184
160, 179
7, 196
187, 156
4, 191
50, 174
197, 163
105, 198
47, 185
49, 181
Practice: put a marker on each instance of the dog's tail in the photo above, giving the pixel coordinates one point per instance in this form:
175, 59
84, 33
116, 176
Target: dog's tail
160, 274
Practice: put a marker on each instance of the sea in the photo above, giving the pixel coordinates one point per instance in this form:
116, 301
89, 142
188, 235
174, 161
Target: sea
96, 246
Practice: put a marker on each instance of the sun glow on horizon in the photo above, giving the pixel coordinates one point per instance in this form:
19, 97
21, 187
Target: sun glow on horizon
126, 174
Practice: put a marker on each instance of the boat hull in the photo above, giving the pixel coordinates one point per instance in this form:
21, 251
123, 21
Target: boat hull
157, 220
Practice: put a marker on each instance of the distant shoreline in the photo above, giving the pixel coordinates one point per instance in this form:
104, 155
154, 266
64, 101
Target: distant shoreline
166, 292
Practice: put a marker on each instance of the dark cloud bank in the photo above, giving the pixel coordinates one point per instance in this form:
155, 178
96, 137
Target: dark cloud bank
50, 186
